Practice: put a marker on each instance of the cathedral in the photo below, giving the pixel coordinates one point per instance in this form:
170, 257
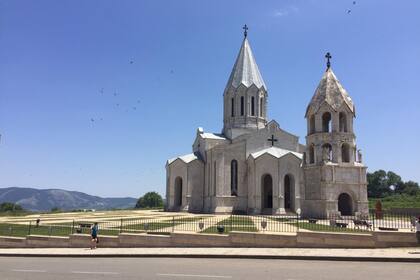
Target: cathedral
255, 167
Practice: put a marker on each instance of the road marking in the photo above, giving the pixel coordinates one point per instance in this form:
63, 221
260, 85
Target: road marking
29, 270
95, 272
193, 275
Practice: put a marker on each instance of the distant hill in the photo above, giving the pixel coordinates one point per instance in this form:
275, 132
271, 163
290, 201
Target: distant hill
45, 200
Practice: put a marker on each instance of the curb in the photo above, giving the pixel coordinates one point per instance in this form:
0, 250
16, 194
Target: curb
215, 256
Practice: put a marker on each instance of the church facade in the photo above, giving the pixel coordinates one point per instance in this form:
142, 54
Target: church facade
254, 166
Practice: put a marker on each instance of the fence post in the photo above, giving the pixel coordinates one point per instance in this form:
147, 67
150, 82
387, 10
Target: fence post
373, 221
173, 223
121, 225
72, 228
29, 230
231, 217
297, 221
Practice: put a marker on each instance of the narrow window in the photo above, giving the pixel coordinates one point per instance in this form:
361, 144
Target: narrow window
214, 178
326, 122
342, 122
311, 154
252, 106
232, 107
327, 152
261, 106
234, 178
312, 124
242, 105
345, 153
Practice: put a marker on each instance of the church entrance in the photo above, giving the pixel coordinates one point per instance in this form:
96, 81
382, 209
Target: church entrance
288, 192
345, 204
267, 192
178, 192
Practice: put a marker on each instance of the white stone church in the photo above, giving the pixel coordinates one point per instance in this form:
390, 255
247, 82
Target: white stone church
255, 167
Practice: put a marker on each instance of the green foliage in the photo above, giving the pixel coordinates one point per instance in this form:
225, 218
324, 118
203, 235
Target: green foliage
10, 207
150, 200
397, 201
56, 210
382, 184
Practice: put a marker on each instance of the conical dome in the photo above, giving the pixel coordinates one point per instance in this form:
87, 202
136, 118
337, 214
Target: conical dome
245, 71
330, 91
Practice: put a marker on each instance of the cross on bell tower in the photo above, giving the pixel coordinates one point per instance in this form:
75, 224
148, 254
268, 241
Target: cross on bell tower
328, 57
245, 28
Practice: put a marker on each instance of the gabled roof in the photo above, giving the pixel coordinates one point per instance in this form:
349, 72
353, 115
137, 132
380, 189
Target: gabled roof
185, 158
245, 71
332, 92
275, 152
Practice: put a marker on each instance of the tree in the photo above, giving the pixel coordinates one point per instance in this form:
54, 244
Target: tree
10, 207
382, 184
378, 184
409, 188
150, 200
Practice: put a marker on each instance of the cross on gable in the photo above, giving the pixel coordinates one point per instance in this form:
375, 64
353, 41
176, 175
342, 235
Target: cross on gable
272, 140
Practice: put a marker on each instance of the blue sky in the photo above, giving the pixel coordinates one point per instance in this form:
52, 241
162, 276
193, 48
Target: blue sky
64, 63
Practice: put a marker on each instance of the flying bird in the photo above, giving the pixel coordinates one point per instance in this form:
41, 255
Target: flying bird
348, 11
354, 2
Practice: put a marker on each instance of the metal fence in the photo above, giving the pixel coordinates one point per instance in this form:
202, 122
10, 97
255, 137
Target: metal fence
374, 221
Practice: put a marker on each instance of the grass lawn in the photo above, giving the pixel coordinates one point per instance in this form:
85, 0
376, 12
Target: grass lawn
327, 228
396, 201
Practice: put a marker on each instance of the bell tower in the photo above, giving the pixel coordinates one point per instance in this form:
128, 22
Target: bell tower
335, 176
245, 95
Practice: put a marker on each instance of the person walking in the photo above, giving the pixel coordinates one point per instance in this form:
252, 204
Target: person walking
94, 234
418, 230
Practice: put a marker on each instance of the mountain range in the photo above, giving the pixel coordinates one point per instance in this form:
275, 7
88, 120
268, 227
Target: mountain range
46, 199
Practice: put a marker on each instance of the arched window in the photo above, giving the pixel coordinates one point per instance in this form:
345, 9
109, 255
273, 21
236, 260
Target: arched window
311, 154
252, 106
242, 105
326, 152
342, 120
261, 106
232, 107
178, 192
234, 177
345, 152
312, 124
326, 122
289, 190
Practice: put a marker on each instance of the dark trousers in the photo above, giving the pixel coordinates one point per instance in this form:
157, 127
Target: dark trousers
418, 237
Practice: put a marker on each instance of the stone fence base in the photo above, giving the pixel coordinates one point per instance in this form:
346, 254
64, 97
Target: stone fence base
234, 239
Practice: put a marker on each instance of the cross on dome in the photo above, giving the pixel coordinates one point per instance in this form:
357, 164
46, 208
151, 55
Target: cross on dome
328, 57
245, 28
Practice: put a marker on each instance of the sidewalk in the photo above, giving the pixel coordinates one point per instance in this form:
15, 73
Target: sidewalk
383, 255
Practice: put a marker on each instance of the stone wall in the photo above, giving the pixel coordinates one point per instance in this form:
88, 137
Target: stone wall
234, 239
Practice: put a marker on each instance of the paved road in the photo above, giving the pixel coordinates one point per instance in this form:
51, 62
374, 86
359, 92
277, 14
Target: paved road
12, 268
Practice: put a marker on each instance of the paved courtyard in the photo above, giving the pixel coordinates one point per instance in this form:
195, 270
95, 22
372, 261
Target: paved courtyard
139, 221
